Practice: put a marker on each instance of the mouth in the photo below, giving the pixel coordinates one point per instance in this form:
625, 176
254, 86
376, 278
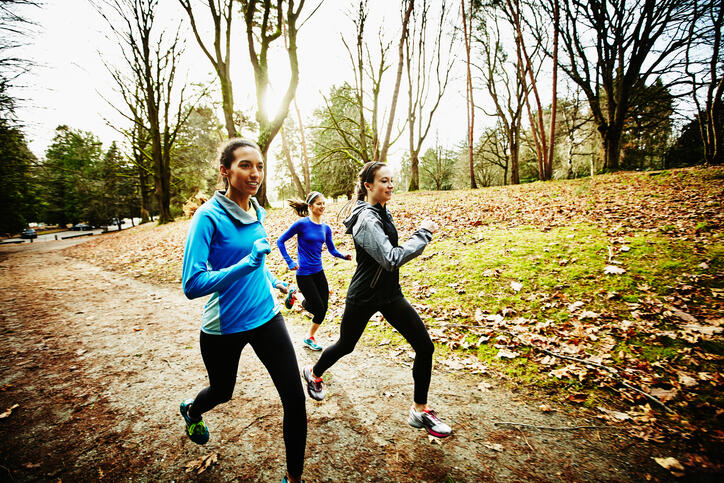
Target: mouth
253, 185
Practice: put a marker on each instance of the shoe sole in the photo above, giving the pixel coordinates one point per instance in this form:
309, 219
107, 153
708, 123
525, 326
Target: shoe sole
317, 349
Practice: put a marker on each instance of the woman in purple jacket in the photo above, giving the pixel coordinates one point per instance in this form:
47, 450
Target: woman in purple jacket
311, 234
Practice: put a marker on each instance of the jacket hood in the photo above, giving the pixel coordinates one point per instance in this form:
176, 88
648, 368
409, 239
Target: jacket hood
352, 218
236, 212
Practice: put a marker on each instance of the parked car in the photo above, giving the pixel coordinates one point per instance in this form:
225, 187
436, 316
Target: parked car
81, 227
29, 233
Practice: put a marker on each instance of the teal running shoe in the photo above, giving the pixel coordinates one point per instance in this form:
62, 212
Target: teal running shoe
312, 344
196, 431
291, 298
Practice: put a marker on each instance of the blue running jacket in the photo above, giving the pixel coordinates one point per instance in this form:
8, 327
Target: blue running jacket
217, 263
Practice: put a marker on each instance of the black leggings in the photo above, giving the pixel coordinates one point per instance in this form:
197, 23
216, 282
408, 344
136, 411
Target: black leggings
273, 347
402, 317
315, 289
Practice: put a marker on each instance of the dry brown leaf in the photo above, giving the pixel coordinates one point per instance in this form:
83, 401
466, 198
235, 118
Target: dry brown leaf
202, 464
671, 464
7, 412
613, 270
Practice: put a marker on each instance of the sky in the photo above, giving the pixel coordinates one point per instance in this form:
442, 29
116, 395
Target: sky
70, 84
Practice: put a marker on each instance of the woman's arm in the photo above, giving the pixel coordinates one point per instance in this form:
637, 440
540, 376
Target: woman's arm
330, 244
293, 230
370, 235
197, 279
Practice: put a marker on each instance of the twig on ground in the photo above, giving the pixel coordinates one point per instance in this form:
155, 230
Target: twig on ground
525, 439
9, 472
550, 428
613, 374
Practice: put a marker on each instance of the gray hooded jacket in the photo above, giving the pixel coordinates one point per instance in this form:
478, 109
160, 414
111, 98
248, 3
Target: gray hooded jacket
379, 258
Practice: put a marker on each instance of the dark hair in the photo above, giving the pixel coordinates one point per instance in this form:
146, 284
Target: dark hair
366, 175
302, 207
227, 153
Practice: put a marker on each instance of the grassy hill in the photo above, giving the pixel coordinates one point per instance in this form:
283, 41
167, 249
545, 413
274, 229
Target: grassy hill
605, 292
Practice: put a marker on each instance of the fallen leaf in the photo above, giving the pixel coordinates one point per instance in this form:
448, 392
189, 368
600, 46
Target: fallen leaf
588, 314
433, 440
613, 270
578, 398
664, 394
575, 306
545, 408
7, 412
484, 386
671, 464
494, 446
516, 286
507, 354
202, 464
682, 315
385, 341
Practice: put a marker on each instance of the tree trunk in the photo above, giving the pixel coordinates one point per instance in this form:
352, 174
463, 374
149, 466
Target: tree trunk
227, 102
470, 103
514, 156
414, 171
290, 164
400, 61
305, 155
611, 149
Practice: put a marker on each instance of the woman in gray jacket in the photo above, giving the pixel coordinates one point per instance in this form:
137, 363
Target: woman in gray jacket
375, 287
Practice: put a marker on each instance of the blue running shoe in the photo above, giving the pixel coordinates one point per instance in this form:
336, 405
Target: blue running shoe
312, 344
291, 298
196, 431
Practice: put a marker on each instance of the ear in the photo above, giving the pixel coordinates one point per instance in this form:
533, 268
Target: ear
368, 186
224, 172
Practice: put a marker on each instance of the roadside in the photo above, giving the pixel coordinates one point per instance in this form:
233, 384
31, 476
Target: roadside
98, 361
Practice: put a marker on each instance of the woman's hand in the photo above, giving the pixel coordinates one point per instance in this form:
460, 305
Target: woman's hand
348, 257
294, 266
259, 250
283, 287
429, 225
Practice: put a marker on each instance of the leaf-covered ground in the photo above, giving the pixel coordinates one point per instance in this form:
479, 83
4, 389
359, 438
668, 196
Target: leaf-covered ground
603, 293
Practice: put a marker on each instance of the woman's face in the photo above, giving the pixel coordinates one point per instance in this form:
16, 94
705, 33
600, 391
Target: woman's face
317, 206
246, 172
380, 190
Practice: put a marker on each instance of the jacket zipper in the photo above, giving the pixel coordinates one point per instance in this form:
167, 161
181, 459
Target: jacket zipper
376, 277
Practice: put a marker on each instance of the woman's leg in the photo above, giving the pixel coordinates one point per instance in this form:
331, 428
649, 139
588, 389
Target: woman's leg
403, 317
320, 281
274, 348
316, 293
221, 357
353, 323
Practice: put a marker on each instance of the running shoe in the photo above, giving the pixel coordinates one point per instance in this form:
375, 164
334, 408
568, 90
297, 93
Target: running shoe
428, 419
291, 298
315, 387
196, 431
312, 344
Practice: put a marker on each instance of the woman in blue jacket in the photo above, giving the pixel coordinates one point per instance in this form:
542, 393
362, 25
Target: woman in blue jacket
224, 257
311, 235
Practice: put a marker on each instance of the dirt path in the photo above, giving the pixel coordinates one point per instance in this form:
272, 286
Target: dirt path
98, 362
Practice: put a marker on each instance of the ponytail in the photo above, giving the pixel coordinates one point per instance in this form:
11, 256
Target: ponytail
299, 206
302, 207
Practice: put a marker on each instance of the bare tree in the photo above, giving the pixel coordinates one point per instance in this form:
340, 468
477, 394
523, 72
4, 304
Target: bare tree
422, 66
505, 85
361, 137
543, 139
219, 55
264, 21
409, 5
611, 48
467, 17
152, 62
703, 60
